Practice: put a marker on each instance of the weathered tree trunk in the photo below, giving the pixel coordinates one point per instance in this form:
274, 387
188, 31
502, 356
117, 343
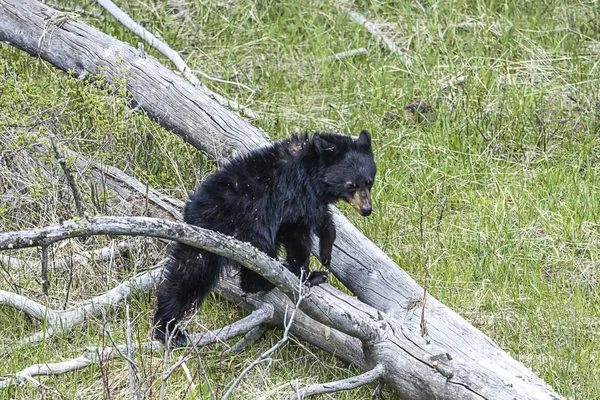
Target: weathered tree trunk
159, 205
470, 364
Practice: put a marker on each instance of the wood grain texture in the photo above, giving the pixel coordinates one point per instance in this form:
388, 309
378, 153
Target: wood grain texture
165, 96
476, 368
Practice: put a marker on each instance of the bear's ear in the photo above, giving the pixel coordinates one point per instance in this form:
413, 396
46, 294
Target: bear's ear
325, 149
363, 143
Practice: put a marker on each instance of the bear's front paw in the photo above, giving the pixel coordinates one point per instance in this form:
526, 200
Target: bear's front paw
325, 257
317, 277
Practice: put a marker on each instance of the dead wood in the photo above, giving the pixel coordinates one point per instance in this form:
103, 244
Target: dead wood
455, 360
132, 192
171, 54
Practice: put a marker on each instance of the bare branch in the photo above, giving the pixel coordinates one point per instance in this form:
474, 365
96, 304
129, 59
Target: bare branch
32, 308
344, 54
64, 320
211, 78
302, 293
375, 31
167, 374
202, 370
250, 338
377, 392
425, 280
133, 370
172, 55
68, 175
343, 384
262, 315
93, 356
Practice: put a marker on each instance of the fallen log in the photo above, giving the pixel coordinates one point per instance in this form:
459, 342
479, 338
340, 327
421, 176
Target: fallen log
133, 192
390, 351
471, 360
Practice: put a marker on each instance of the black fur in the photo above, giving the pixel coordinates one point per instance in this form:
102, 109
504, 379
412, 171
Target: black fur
275, 196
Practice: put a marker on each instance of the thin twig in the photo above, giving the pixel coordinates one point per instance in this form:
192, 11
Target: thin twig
375, 31
424, 302
302, 293
211, 78
69, 175
167, 374
203, 371
257, 317
172, 55
165, 360
133, 373
125, 352
343, 384
377, 391
44, 271
344, 54
70, 281
250, 338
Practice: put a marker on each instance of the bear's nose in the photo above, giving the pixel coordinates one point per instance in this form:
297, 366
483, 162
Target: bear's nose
366, 211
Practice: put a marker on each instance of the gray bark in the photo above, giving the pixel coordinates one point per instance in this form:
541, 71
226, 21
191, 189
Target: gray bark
478, 368
165, 96
394, 354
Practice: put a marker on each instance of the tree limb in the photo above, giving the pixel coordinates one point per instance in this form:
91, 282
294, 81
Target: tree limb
93, 356
375, 31
262, 315
64, 320
360, 265
406, 357
30, 307
172, 55
343, 384
251, 337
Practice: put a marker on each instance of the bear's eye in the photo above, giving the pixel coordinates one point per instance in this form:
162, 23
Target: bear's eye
351, 186
369, 182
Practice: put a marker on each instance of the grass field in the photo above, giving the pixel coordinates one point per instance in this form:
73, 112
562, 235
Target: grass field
509, 167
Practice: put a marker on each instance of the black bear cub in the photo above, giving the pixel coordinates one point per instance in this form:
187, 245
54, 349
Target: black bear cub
274, 197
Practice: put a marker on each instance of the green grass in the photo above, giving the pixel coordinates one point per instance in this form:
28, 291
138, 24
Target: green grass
509, 168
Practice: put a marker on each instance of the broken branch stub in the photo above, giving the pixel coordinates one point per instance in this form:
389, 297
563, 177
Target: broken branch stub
415, 368
361, 266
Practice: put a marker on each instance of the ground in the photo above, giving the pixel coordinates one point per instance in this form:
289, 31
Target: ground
500, 186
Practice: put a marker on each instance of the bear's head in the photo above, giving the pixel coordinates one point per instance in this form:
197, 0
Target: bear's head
348, 170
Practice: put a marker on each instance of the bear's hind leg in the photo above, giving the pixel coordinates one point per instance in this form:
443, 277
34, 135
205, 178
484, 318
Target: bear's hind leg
189, 276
